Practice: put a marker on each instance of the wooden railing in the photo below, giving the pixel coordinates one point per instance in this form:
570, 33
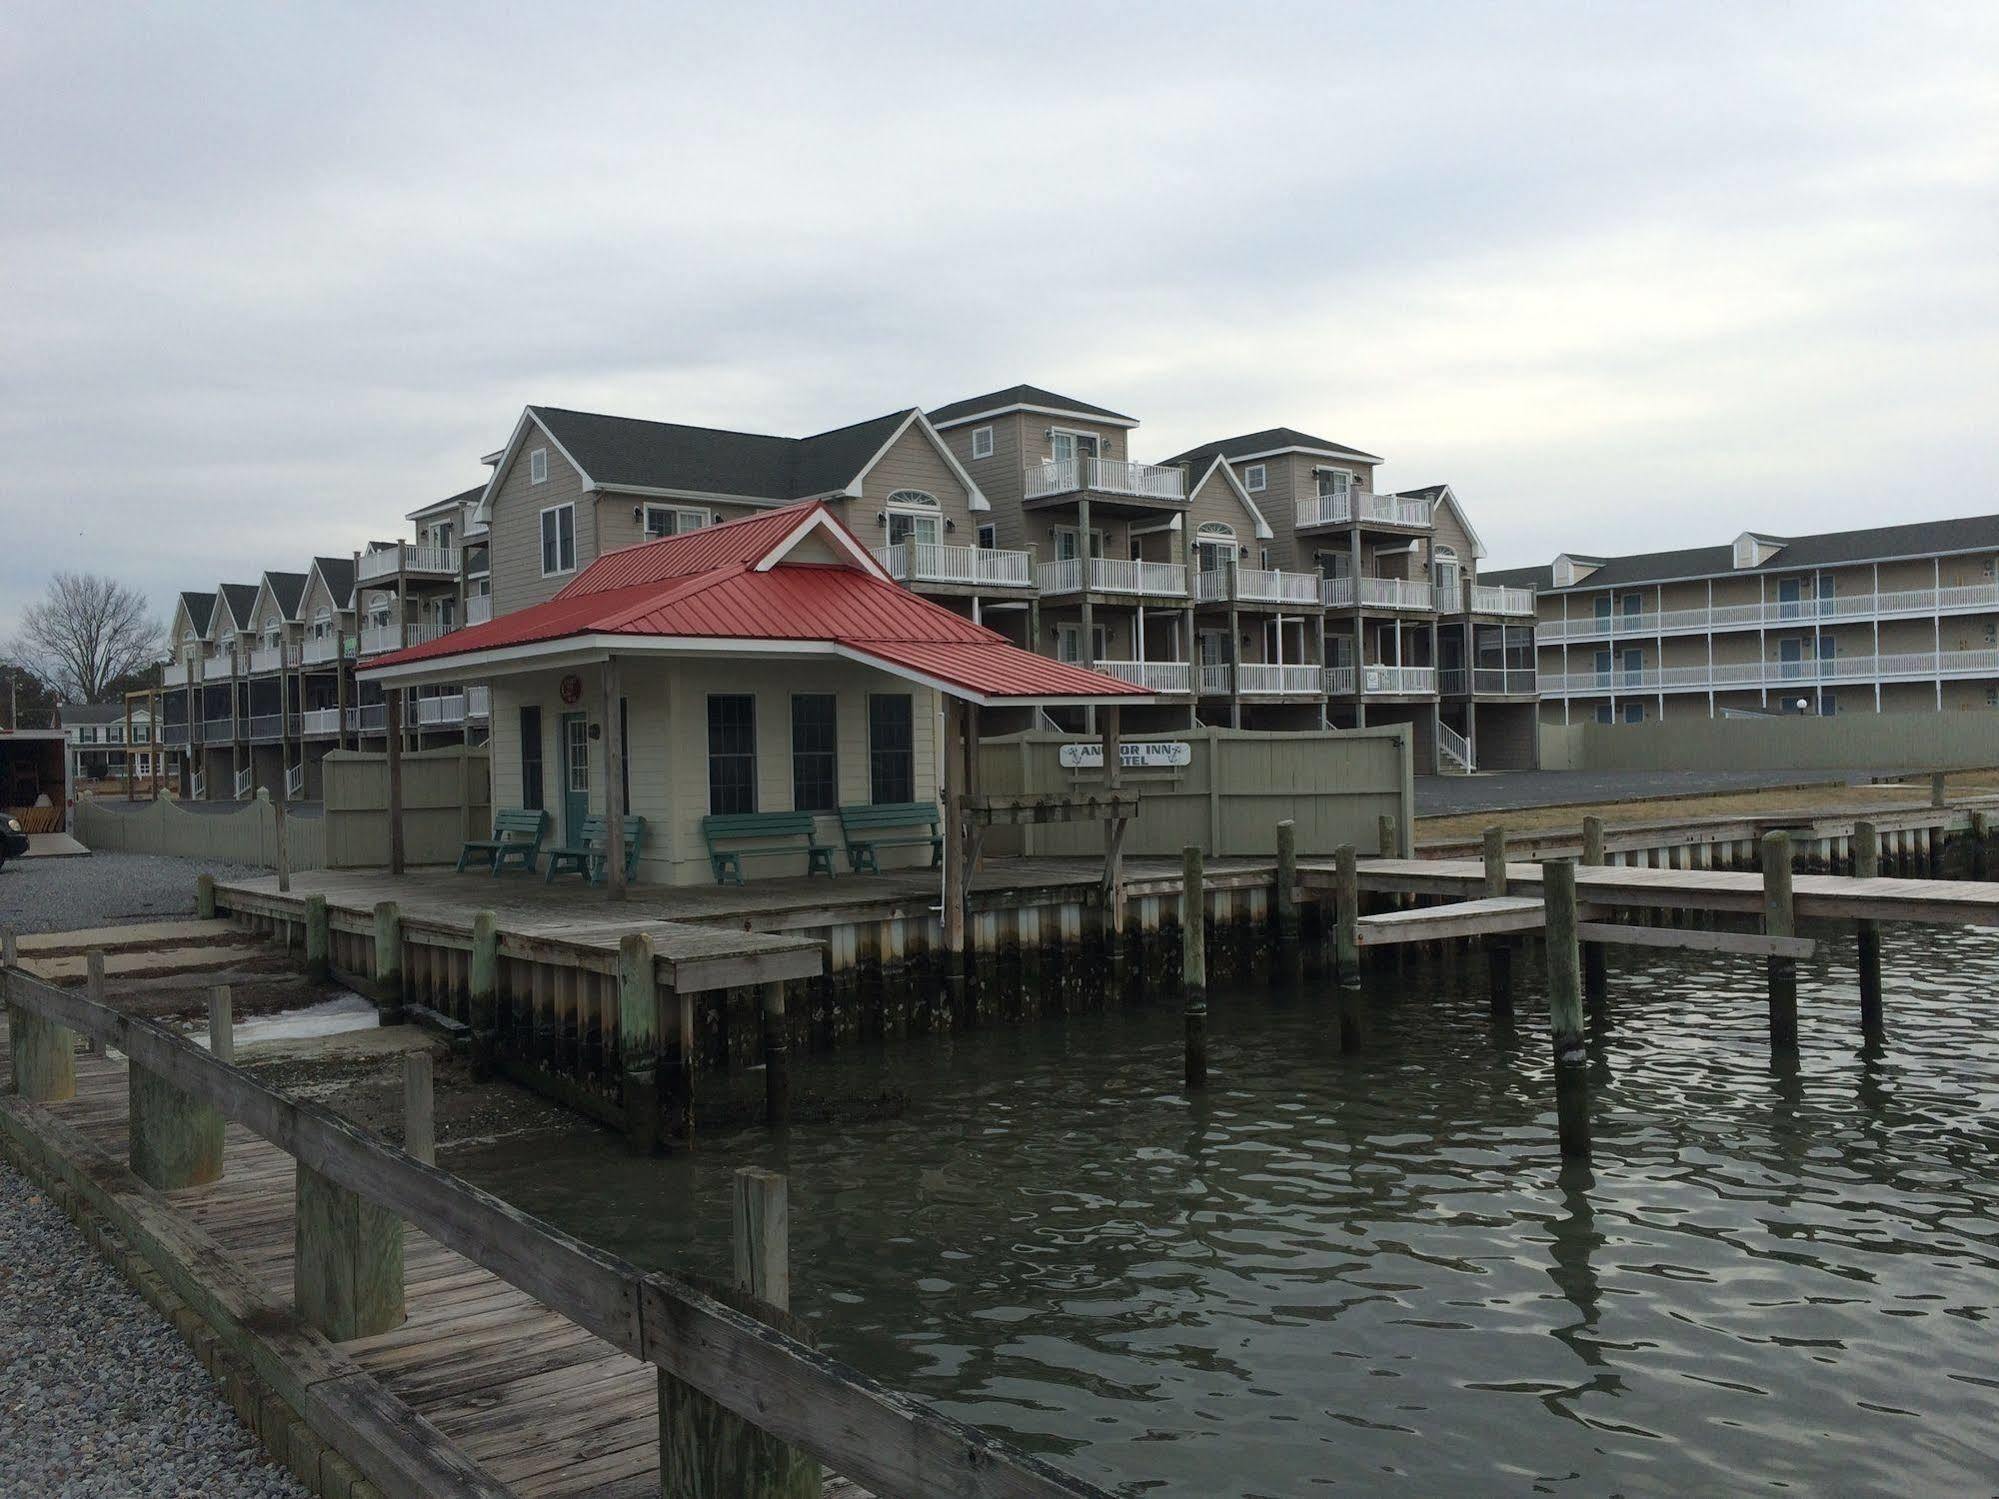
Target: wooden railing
885, 1440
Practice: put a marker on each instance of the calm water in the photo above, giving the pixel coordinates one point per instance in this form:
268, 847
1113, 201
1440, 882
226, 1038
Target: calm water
1371, 1273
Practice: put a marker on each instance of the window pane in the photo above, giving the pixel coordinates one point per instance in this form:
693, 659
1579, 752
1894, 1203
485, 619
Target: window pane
891, 748
548, 541
732, 753
531, 793
566, 525
815, 785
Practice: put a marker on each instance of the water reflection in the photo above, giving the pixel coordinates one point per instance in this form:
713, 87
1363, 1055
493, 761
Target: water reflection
1372, 1272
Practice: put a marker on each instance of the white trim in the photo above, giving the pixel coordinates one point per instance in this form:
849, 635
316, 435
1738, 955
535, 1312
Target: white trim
541, 540
645, 519
1262, 472
1260, 525
820, 519
756, 501
537, 460
1080, 416
1352, 456
991, 442
583, 650
483, 514
1765, 570
1449, 496
977, 499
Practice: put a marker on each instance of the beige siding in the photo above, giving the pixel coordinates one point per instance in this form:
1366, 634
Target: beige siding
913, 462
620, 518
515, 526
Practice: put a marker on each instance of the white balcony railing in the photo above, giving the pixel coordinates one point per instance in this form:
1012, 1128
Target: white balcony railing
1216, 680
1378, 593
180, 674
376, 638
319, 723
976, 567
1399, 679
1906, 666
1362, 505
1492, 599
1153, 676
448, 708
1105, 476
1850, 608
479, 609
408, 557
273, 658
1288, 680
313, 651
1257, 585
1339, 680
1166, 580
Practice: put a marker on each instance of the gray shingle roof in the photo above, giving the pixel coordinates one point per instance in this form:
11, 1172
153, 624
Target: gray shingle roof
1430, 492
1825, 549
339, 575
200, 610
1540, 579
76, 713
1268, 440
287, 589
624, 451
1022, 395
241, 599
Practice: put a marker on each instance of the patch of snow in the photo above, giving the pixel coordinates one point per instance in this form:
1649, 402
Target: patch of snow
344, 1012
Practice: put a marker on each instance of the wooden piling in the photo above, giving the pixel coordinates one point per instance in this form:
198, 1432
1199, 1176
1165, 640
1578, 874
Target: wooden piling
1384, 836
1779, 920
347, 1269
1938, 796
1498, 948
706, 1452
41, 1054
419, 1108
1596, 977
172, 1140
777, 1055
318, 933
1289, 956
683, 1089
221, 1024
204, 897
1194, 963
482, 992
1867, 866
1565, 1008
638, 1040
1346, 892
389, 962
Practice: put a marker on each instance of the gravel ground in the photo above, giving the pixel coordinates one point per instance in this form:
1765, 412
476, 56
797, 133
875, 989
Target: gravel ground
98, 1395
61, 895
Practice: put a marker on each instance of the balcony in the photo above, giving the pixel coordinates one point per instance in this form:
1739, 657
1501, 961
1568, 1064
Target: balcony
266, 726
218, 730
409, 557
1256, 585
1153, 676
1399, 681
1378, 593
319, 723
1481, 681
434, 712
376, 638
315, 651
478, 703
1727, 676
267, 658
1144, 481
1849, 609
1363, 506
173, 733
973, 567
1264, 679
479, 609
1487, 599
180, 674
1162, 580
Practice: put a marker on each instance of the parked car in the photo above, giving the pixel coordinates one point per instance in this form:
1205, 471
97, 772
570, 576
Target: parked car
13, 842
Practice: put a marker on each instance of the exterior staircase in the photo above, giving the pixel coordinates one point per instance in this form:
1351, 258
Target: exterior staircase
1456, 749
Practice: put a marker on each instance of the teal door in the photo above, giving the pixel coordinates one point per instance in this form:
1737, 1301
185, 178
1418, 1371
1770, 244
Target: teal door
575, 776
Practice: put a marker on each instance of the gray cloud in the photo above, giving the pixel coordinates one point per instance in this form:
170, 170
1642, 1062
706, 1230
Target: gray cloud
275, 275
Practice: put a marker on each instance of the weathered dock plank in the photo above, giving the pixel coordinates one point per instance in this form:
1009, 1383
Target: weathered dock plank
1470, 918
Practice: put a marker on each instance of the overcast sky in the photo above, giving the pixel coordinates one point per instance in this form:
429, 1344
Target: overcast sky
1626, 276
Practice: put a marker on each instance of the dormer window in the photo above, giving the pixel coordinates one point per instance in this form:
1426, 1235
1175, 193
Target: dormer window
1752, 550
538, 466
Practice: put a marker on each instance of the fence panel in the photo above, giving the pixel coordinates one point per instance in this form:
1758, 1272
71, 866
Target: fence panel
246, 833
447, 798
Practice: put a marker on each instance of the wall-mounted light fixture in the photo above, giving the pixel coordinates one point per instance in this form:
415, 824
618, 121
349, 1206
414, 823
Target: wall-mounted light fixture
881, 517
949, 524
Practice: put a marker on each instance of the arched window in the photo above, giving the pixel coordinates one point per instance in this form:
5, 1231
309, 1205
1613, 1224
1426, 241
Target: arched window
913, 515
1214, 545
322, 623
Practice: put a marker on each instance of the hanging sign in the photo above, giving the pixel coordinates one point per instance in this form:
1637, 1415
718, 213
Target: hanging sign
571, 689
1133, 754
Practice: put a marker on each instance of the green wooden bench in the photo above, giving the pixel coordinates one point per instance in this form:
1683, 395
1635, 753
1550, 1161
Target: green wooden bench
589, 859
732, 827
863, 827
517, 836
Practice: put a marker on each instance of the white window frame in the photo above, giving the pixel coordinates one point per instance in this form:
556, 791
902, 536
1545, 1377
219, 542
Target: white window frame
1101, 539
1069, 635
1077, 437
1352, 481
538, 466
988, 537
982, 442
542, 538
915, 505
703, 518
1256, 477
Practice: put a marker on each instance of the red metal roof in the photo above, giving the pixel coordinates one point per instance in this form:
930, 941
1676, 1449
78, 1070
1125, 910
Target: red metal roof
706, 584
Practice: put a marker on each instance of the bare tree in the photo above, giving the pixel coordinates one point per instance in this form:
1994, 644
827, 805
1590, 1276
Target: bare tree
88, 631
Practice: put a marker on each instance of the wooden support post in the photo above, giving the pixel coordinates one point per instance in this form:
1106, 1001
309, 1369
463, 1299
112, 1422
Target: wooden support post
1194, 962
1565, 1008
174, 1141
283, 849
318, 938
1498, 949
482, 1000
706, 1452
392, 711
94, 986
221, 1024
1867, 866
204, 897
1938, 796
389, 962
638, 1040
1113, 753
419, 1107
1290, 958
614, 783
1779, 921
1346, 894
41, 1054
347, 1270
683, 1097
777, 1055
1596, 976
1385, 842
954, 833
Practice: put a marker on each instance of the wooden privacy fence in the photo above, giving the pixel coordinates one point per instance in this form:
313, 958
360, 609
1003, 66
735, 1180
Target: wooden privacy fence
358, 1187
447, 798
1942, 740
1237, 785
246, 833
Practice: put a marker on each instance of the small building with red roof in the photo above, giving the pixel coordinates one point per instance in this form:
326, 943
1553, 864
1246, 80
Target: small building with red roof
766, 664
